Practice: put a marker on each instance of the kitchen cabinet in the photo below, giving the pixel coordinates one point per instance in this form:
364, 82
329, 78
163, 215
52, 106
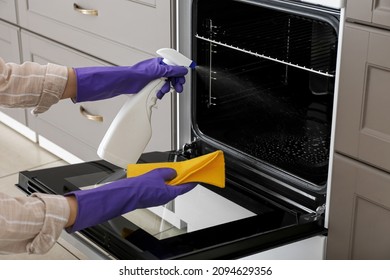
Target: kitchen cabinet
359, 216
92, 33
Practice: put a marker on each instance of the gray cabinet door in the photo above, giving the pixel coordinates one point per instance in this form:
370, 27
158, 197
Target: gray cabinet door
8, 10
376, 12
9, 52
359, 216
363, 119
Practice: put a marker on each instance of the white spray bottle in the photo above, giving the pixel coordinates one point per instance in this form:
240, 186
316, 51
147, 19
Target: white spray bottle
130, 131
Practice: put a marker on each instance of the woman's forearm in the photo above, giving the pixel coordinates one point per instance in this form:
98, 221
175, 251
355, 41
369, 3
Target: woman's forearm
73, 210
71, 86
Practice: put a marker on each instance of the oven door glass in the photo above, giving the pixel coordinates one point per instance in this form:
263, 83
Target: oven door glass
199, 209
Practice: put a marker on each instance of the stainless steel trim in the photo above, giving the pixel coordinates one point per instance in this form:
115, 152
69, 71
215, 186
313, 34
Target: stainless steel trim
184, 46
174, 105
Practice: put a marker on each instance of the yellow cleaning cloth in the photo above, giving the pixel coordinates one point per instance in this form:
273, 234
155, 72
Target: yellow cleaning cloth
209, 169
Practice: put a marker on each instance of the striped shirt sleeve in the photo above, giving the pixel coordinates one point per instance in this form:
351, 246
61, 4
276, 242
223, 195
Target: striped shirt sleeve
31, 224
31, 85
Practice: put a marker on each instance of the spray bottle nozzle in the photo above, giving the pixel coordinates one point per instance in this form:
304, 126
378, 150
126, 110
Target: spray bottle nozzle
193, 65
173, 57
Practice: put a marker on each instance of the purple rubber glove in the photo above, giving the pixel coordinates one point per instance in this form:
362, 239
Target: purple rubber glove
97, 83
103, 203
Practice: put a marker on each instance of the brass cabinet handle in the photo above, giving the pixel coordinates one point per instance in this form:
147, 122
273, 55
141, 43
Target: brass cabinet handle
89, 116
90, 12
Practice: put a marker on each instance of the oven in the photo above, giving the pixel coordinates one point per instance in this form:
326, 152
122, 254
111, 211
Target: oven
263, 92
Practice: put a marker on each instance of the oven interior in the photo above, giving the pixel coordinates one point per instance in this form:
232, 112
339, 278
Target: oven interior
264, 87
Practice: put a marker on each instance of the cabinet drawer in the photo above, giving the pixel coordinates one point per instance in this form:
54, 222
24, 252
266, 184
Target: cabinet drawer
106, 29
64, 125
9, 42
376, 12
363, 121
8, 10
359, 213
9, 51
